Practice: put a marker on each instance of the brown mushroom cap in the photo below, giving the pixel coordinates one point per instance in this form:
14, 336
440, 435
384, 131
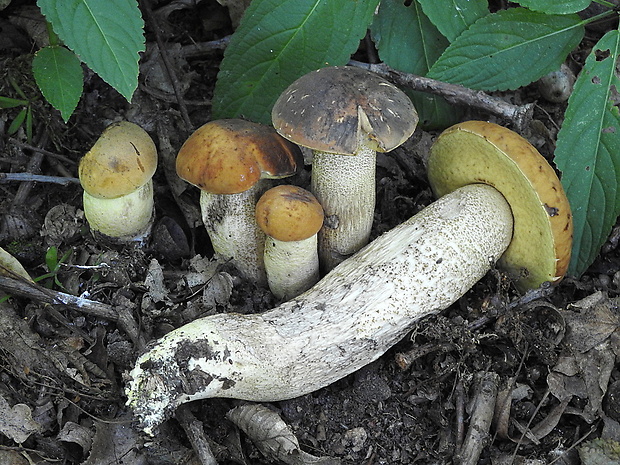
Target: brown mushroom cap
123, 159
289, 213
230, 156
481, 152
333, 109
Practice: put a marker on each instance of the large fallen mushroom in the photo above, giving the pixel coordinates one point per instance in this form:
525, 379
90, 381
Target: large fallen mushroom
370, 301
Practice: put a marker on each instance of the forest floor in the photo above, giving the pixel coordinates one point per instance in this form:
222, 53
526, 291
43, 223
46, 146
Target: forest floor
544, 363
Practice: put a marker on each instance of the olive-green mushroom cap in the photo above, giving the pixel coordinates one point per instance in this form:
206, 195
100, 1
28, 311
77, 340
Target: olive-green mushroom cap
482, 152
333, 109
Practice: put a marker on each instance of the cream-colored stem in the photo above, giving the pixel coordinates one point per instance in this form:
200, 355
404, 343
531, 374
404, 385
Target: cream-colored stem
231, 224
292, 267
347, 320
126, 218
345, 187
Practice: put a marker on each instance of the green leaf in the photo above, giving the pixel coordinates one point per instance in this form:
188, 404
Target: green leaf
454, 16
557, 7
398, 27
279, 41
508, 49
7, 102
58, 73
588, 152
106, 35
17, 122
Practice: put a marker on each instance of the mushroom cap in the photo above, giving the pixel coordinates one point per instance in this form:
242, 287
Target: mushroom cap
289, 213
334, 109
481, 152
229, 156
123, 159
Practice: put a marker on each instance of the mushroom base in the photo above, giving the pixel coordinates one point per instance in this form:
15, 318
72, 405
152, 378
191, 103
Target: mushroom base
347, 320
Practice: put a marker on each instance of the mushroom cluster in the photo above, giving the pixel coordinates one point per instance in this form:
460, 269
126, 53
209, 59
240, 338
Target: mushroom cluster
116, 175
500, 203
232, 161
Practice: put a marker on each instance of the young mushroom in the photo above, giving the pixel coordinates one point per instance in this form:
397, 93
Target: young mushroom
371, 300
231, 162
345, 115
290, 217
116, 175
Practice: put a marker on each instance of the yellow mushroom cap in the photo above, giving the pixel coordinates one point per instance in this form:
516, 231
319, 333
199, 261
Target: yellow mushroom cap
230, 156
289, 213
123, 159
482, 152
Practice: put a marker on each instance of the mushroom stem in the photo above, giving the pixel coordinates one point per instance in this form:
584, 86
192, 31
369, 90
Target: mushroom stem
345, 187
347, 320
127, 218
234, 233
293, 266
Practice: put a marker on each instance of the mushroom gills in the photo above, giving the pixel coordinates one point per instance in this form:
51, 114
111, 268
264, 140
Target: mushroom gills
350, 318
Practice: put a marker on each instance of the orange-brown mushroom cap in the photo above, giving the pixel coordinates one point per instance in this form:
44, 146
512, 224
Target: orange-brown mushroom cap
332, 109
481, 152
289, 213
123, 159
230, 156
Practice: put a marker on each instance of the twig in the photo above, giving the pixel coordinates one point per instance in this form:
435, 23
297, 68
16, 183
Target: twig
480, 422
195, 432
33, 165
199, 49
47, 153
119, 314
519, 115
30, 177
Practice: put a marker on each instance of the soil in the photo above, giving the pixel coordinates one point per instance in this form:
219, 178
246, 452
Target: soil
542, 365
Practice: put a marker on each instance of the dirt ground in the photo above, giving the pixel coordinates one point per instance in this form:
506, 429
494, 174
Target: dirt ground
542, 365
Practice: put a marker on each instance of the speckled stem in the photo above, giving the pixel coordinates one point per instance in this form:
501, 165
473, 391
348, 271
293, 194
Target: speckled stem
124, 219
347, 320
345, 187
292, 267
231, 225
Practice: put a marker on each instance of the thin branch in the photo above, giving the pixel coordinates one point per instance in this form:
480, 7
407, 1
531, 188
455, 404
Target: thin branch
519, 115
30, 177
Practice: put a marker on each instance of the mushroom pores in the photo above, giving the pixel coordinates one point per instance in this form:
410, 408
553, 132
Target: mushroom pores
482, 152
123, 159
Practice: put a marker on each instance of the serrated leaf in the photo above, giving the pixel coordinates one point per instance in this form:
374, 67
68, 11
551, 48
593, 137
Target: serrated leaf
106, 35
279, 41
558, 7
58, 73
588, 152
406, 40
452, 17
508, 49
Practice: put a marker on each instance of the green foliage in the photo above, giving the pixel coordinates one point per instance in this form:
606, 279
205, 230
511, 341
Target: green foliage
508, 49
588, 151
279, 41
24, 115
58, 73
107, 36
53, 264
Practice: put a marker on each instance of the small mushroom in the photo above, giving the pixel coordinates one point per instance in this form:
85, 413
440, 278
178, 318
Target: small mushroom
501, 199
231, 162
290, 217
116, 175
345, 115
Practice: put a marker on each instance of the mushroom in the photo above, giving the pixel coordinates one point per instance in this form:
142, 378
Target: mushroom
116, 175
231, 162
345, 115
371, 300
290, 216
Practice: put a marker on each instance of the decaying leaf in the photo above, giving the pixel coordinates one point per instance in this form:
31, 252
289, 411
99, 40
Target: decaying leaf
9, 264
273, 437
16, 422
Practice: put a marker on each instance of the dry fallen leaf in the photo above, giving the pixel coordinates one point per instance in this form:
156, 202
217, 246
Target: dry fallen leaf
16, 422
